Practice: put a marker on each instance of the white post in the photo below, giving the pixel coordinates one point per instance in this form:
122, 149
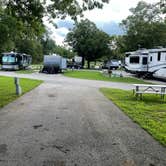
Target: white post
18, 87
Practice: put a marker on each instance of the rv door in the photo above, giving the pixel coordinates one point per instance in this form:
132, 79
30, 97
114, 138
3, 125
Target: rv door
144, 60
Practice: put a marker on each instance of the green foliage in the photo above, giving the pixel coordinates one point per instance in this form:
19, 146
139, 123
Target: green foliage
21, 23
31, 47
66, 53
88, 41
73, 7
48, 46
16, 36
117, 48
25, 71
7, 88
8, 31
29, 13
149, 113
145, 27
95, 75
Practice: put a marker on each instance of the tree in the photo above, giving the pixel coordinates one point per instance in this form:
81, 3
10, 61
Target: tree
22, 20
162, 5
27, 9
8, 31
73, 8
88, 41
31, 47
66, 53
48, 46
30, 14
145, 27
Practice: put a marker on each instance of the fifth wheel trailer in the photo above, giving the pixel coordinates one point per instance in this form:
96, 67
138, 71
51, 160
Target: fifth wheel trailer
146, 62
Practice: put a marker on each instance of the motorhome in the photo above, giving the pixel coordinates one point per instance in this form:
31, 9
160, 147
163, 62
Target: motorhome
15, 61
145, 61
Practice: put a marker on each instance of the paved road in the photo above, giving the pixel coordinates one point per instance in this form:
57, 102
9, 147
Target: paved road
68, 122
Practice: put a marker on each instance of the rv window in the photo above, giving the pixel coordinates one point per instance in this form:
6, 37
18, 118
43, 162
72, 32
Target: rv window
144, 60
127, 55
151, 58
159, 56
10, 58
134, 59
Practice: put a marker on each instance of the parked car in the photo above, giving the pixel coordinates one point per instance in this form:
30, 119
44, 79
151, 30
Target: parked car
112, 64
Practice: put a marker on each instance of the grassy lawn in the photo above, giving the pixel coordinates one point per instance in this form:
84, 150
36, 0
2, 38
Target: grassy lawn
33, 68
150, 113
7, 88
95, 75
25, 71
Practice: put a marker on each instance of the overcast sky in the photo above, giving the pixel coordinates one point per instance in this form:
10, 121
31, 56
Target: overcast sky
114, 12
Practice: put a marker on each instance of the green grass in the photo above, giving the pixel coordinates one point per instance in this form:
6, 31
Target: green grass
95, 75
149, 113
25, 71
7, 88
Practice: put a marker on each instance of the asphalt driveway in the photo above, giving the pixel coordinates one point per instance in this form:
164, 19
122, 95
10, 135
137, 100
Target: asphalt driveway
68, 122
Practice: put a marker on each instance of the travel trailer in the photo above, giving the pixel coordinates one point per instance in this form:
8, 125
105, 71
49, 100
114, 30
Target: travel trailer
160, 74
54, 64
145, 61
15, 61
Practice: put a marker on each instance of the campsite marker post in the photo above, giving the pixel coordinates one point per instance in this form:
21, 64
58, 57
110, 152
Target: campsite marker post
18, 87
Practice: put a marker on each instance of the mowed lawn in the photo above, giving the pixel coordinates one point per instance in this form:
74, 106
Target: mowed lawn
7, 88
95, 75
24, 71
149, 113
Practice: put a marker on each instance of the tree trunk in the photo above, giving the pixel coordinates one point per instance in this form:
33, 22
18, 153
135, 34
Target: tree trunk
83, 62
88, 64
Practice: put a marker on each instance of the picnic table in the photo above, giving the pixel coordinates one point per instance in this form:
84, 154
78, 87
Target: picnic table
141, 89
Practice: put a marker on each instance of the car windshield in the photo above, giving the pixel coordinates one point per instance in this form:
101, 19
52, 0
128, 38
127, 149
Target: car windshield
8, 58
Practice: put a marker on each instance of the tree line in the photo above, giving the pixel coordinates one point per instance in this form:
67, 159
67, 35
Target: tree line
22, 28
144, 28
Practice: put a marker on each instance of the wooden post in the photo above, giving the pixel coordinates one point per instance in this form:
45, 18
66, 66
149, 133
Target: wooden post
18, 87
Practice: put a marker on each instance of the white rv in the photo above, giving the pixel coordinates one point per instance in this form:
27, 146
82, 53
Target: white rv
145, 61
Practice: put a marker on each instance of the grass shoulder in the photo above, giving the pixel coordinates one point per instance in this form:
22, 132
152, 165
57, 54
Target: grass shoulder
96, 75
149, 113
7, 88
25, 71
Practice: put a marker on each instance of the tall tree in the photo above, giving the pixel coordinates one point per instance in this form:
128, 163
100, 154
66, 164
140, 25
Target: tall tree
31, 47
145, 27
29, 13
88, 41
